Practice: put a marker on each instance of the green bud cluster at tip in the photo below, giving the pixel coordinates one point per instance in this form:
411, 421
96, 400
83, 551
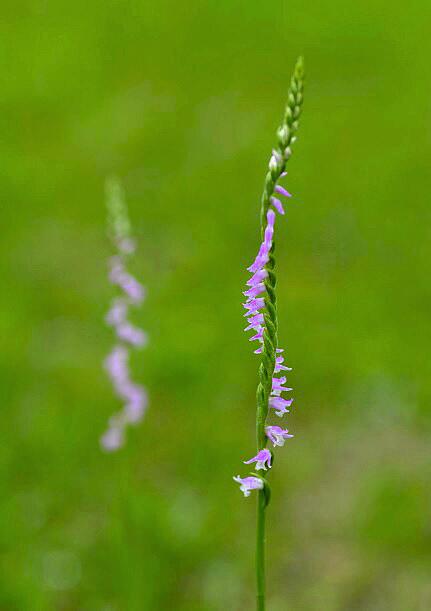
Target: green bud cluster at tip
285, 136
118, 220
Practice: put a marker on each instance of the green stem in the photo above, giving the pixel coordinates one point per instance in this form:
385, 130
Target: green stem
260, 551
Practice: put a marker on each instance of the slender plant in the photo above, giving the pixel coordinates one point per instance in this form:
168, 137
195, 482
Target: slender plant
261, 313
133, 396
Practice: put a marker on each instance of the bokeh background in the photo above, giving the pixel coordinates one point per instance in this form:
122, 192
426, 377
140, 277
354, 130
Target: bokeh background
181, 100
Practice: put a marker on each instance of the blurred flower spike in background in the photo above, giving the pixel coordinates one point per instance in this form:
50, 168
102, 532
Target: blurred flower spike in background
133, 396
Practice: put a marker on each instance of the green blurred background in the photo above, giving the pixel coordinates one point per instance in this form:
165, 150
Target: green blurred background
181, 101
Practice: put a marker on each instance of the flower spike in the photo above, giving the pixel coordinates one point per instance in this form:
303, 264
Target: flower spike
133, 396
261, 314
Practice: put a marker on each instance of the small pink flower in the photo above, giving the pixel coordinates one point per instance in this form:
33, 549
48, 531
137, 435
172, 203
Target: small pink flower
280, 405
277, 205
262, 460
277, 386
248, 484
254, 291
279, 365
282, 191
277, 435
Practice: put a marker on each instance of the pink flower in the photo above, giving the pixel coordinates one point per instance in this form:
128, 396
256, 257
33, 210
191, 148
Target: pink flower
279, 365
279, 405
277, 205
262, 460
248, 484
282, 191
277, 386
277, 435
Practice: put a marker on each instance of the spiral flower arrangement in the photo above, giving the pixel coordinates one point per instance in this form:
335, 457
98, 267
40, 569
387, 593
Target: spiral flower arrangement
261, 314
132, 294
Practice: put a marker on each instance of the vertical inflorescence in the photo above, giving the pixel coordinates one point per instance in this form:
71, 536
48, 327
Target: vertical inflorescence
133, 396
261, 313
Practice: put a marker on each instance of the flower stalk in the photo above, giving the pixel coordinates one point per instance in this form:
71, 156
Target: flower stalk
261, 313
